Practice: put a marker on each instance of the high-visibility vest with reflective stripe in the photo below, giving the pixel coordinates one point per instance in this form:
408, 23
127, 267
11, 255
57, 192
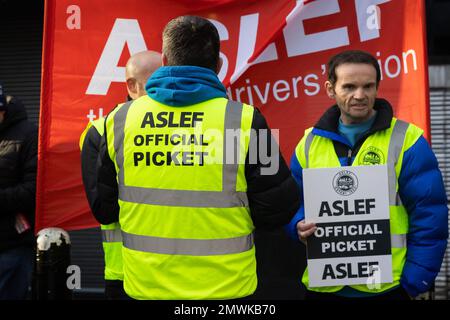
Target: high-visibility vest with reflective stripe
382, 147
187, 230
112, 247
111, 235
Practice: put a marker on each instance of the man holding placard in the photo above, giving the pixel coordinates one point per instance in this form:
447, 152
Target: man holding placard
374, 207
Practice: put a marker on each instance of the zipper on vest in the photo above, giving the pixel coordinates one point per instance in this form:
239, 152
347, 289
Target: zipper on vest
349, 157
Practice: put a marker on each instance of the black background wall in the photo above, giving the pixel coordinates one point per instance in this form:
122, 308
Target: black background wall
438, 31
21, 24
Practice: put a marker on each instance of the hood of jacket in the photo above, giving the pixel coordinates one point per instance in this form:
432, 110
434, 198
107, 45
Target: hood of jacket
15, 112
180, 86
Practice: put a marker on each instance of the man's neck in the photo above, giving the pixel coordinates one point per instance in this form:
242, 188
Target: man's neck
350, 121
353, 132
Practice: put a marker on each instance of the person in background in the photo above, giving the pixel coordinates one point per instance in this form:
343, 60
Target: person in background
360, 129
18, 164
138, 69
191, 187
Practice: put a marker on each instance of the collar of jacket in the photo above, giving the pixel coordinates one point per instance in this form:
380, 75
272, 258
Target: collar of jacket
327, 126
179, 86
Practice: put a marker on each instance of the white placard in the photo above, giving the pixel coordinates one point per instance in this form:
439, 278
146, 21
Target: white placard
350, 206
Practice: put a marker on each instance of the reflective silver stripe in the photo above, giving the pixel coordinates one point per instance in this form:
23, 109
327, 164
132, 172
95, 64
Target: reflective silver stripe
183, 198
226, 198
398, 240
193, 247
233, 115
119, 133
114, 235
308, 143
395, 147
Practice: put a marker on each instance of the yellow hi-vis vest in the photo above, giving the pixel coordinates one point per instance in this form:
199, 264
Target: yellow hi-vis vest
186, 225
111, 235
383, 147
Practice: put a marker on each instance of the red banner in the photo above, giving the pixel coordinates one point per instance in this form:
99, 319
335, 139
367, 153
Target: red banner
274, 51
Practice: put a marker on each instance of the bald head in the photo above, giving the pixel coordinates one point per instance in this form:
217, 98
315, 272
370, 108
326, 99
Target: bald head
139, 68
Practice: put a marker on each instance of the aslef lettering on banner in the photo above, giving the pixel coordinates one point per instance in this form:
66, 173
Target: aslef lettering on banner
352, 243
128, 33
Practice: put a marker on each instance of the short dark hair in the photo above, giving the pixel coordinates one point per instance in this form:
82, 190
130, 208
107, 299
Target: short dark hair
191, 40
351, 56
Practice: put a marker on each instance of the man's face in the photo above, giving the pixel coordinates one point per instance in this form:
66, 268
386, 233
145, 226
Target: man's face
355, 91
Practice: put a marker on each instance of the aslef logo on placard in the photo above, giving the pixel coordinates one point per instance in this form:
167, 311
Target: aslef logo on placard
345, 183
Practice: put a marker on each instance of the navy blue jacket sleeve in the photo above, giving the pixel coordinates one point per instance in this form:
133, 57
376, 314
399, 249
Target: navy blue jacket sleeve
423, 194
291, 227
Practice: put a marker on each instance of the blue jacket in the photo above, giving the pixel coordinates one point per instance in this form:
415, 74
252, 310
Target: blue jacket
421, 190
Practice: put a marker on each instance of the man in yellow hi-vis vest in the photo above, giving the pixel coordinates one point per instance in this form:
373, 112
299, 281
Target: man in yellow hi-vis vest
138, 69
192, 183
361, 130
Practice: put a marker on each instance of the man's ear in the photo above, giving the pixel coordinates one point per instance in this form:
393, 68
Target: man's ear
163, 59
219, 65
132, 86
330, 89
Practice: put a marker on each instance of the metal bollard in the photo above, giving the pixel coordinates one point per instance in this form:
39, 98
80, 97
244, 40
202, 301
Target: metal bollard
52, 261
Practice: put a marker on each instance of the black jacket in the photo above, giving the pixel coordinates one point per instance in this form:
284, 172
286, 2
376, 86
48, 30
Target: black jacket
89, 164
18, 162
273, 199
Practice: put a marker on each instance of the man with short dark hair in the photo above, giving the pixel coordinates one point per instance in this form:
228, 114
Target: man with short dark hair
192, 44
359, 123
192, 185
18, 161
